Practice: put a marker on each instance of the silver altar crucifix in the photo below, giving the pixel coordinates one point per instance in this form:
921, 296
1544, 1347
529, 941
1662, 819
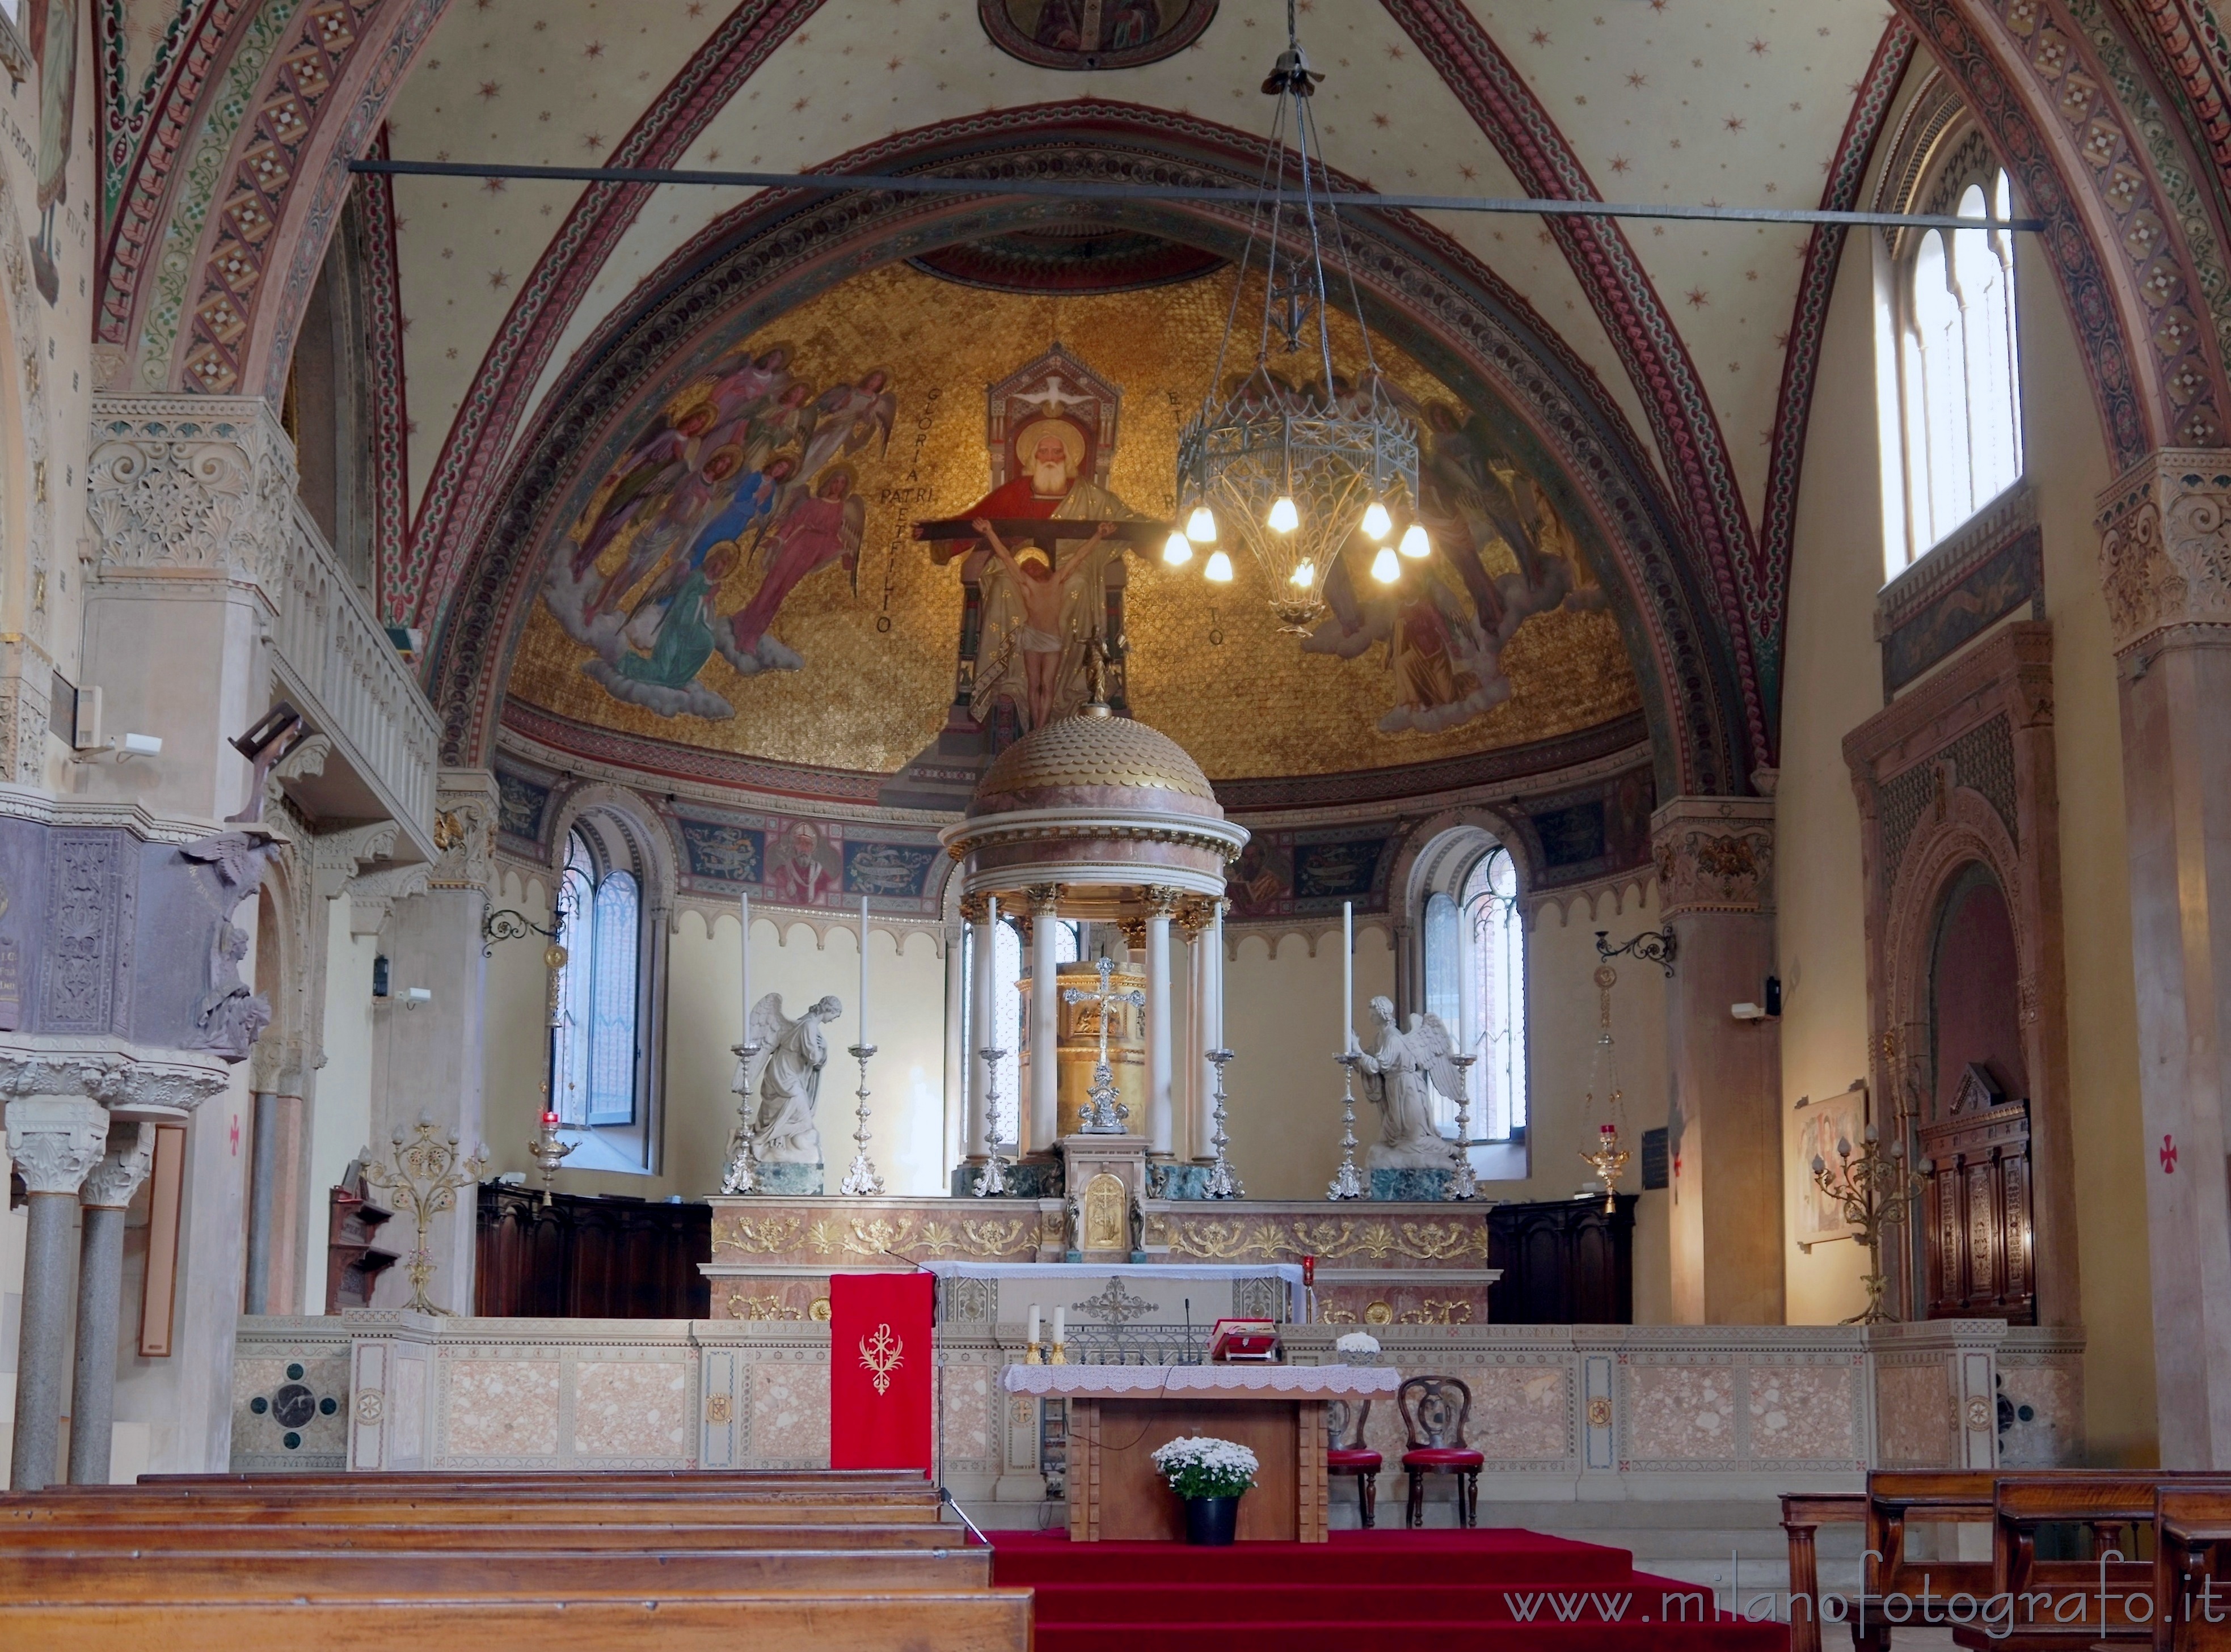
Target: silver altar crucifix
1105, 1115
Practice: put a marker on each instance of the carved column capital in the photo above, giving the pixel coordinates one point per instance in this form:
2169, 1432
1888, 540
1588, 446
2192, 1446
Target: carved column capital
2165, 545
56, 1140
184, 484
122, 1168
974, 909
1043, 899
466, 809
1714, 854
1162, 901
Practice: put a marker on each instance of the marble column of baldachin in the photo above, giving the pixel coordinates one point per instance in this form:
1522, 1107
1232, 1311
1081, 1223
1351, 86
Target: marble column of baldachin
101, 1201
55, 1142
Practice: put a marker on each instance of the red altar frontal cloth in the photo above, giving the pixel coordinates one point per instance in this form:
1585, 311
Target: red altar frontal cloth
881, 1355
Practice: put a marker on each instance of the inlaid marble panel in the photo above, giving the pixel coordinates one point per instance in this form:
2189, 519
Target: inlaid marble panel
1809, 1411
2052, 1435
966, 1393
789, 1406
1521, 1413
631, 1409
1914, 1423
280, 1415
501, 1408
1680, 1412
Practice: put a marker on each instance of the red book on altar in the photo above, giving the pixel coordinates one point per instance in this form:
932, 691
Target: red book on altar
1243, 1341
881, 1352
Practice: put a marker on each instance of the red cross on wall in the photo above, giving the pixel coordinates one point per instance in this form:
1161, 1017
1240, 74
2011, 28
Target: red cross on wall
2168, 1155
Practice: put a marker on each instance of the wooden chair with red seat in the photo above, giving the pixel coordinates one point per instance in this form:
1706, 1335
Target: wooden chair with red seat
1346, 1453
1435, 1426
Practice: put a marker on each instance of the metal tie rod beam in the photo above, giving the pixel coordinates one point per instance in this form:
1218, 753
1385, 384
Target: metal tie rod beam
1081, 190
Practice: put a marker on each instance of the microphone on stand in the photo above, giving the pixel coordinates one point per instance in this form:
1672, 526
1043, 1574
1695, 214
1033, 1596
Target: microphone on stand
1188, 1322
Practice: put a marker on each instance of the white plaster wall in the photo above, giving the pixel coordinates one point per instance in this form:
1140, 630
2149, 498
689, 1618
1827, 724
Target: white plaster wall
704, 1015
340, 1120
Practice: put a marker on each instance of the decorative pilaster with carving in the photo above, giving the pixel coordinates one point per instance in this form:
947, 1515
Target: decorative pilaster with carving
2165, 546
181, 484
111, 1184
466, 809
1714, 854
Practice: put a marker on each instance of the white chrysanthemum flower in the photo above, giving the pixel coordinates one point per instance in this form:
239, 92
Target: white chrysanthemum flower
1202, 1466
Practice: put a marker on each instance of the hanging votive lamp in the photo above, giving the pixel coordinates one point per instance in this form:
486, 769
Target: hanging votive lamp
1415, 545
1219, 568
1304, 575
1201, 526
1177, 551
1284, 518
1377, 525
1383, 568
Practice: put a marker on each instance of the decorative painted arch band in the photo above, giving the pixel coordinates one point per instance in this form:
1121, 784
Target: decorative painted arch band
1419, 288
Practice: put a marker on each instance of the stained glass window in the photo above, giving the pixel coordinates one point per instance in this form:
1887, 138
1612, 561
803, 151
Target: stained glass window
600, 928
1476, 984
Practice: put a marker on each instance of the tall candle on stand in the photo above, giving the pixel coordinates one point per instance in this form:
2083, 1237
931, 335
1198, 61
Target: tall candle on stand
1348, 973
744, 911
864, 973
1217, 935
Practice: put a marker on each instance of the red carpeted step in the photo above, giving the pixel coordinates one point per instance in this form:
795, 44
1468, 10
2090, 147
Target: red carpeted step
1526, 1559
1373, 1602
1411, 1637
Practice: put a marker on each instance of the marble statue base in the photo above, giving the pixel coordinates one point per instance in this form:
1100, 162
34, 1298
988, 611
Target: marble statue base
1029, 1178
799, 1181
1412, 1181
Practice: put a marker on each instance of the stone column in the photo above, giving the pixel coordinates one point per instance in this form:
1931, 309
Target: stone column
975, 911
107, 1191
1200, 1077
1162, 904
263, 1141
55, 1142
1045, 1018
1716, 889
430, 1059
2165, 565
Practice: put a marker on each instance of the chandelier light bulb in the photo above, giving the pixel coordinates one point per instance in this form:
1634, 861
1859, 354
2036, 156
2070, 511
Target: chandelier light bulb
1377, 525
1285, 518
1383, 568
1201, 526
1415, 545
1177, 551
1304, 575
1219, 568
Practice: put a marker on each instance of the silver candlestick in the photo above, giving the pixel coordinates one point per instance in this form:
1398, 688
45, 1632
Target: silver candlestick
743, 1173
1463, 1184
1348, 1181
862, 1181
1222, 1184
991, 1180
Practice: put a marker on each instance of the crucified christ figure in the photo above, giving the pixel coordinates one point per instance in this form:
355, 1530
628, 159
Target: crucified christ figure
1046, 600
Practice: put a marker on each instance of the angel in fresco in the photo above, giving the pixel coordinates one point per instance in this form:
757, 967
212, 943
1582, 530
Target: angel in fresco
1048, 620
683, 506
752, 505
639, 482
664, 676
848, 416
1401, 1070
787, 1079
813, 533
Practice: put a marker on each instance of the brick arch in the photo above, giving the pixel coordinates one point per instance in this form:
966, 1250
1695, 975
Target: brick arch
1423, 290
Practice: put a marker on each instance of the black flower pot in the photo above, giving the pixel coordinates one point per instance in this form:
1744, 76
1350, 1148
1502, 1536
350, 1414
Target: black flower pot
1212, 1522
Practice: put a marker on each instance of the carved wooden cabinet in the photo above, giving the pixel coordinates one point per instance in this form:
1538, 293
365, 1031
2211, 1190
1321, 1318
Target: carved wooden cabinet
355, 1258
1564, 1261
590, 1256
1979, 1211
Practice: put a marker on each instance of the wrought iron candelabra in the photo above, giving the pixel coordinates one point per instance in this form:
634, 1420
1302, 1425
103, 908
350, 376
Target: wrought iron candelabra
1874, 1186
425, 1180
742, 1175
1462, 1184
991, 1180
1222, 1184
1347, 1180
863, 1180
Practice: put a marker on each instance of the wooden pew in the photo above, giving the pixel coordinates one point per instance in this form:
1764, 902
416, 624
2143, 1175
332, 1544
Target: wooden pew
2192, 1568
975, 1621
204, 1571
1889, 1577
524, 1532
433, 1507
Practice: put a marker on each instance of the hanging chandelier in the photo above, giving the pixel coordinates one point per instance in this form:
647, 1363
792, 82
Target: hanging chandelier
1298, 474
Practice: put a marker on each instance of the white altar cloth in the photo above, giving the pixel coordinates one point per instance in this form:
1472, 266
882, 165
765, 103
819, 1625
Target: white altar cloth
948, 1268
1199, 1379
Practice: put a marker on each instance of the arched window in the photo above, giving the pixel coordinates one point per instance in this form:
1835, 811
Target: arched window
1956, 394
1476, 984
601, 1076
1008, 957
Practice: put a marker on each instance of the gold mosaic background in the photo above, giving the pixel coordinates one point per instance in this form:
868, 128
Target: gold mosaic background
1208, 666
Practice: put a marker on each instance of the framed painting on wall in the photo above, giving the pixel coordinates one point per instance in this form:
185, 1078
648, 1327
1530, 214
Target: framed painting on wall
1820, 1126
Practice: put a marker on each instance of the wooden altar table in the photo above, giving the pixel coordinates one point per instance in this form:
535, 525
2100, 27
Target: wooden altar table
1120, 1415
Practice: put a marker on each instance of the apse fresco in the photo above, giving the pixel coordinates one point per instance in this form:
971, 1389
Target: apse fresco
738, 567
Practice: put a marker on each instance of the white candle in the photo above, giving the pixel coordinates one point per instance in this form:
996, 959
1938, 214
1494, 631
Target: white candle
1347, 971
1034, 1322
744, 915
1060, 1325
863, 971
1216, 940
